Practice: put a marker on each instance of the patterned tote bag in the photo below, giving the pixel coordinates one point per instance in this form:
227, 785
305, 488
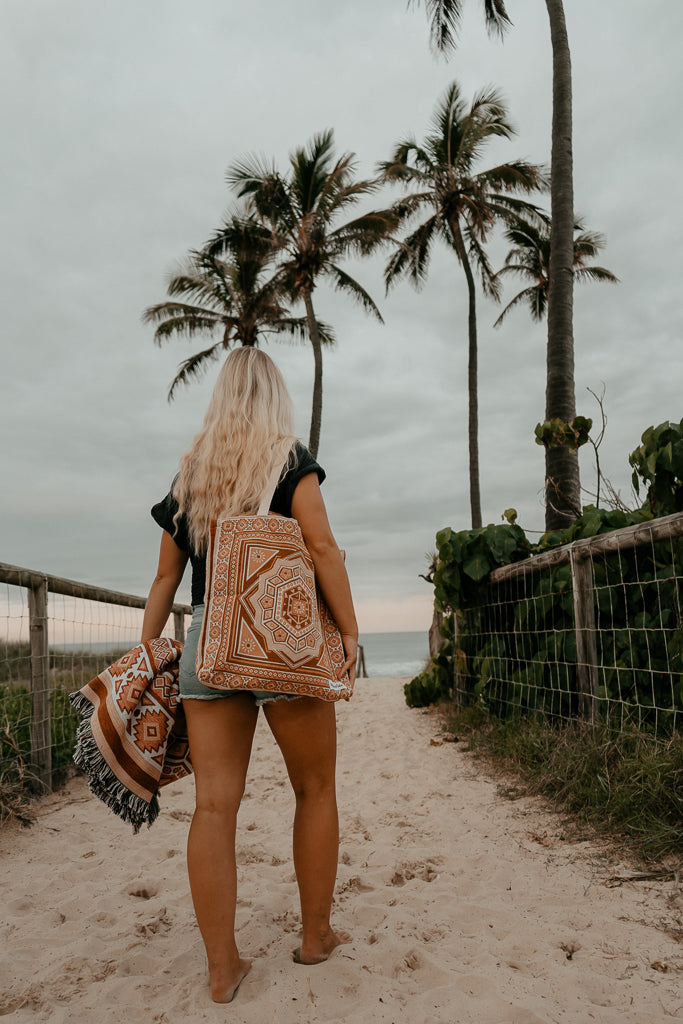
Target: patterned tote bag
266, 625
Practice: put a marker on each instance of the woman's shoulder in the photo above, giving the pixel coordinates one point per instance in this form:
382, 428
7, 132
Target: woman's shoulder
301, 462
299, 465
164, 513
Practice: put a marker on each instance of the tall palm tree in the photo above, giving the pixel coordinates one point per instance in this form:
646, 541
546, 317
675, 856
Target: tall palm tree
561, 465
463, 204
302, 210
239, 296
530, 259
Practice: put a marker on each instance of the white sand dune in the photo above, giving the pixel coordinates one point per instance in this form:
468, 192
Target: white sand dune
465, 907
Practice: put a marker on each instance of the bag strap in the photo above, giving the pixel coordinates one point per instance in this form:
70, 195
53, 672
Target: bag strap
269, 491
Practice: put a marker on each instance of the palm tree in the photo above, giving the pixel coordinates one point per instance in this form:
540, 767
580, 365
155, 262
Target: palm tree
239, 296
463, 205
530, 259
301, 210
561, 465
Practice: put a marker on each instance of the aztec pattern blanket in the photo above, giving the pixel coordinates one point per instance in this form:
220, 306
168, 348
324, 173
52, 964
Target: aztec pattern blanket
266, 625
132, 738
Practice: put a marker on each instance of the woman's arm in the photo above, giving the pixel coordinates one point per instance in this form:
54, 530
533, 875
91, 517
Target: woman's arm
172, 562
308, 508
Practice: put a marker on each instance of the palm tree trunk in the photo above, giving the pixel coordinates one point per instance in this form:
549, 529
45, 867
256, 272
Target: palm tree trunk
317, 408
472, 379
563, 494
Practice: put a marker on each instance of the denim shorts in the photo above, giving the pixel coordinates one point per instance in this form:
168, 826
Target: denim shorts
192, 689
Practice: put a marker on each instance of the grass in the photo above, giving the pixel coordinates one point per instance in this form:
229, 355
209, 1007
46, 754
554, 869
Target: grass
626, 784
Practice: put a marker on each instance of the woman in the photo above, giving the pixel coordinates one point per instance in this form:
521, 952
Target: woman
247, 426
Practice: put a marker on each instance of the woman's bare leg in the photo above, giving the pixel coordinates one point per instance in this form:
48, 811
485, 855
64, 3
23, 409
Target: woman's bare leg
221, 734
305, 731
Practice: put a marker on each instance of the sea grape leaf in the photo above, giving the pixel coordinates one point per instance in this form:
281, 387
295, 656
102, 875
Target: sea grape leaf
477, 566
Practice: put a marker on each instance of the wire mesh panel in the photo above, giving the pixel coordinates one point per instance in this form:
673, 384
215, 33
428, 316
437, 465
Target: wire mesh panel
594, 630
15, 692
519, 648
639, 634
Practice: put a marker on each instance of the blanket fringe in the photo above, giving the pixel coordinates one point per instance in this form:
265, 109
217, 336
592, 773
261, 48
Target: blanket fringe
101, 780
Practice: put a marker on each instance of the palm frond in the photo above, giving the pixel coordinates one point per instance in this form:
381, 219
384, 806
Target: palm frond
343, 282
297, 327
174, 318
519, 175
242, 238
311, 169
409, 162
246, 175
525, 236
340, 190
497, 19
405, 207
589, 243
445, 19
532, 296
444, 23
595, 274
489, 281
266, 191
411, 256
508, 208
471, 130
192, 368
522, 269
365, 234
196, 285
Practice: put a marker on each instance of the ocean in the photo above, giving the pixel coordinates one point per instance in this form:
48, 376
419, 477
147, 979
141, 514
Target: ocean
395, 654
386, 654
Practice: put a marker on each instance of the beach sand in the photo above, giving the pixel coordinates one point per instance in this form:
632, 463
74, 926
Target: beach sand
465, 907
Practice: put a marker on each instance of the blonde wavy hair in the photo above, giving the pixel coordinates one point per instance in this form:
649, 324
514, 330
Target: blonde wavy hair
247, 429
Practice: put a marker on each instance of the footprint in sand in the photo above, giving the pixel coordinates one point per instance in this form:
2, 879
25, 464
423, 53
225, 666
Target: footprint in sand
406, 872
144, 892
354, 885
158, 925
414, 962
180, 815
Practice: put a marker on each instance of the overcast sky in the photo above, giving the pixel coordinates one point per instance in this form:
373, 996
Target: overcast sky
119, 121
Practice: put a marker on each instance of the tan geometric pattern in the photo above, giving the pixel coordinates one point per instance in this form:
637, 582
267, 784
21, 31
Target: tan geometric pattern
266, 626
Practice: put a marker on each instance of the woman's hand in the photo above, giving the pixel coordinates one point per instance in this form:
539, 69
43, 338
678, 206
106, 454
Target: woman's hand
350, 642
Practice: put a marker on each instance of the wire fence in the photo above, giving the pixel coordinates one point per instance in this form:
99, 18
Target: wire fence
592, 630
55, 636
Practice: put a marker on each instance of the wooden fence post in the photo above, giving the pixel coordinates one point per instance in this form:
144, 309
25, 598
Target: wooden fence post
584, 628
41, 736
179, 626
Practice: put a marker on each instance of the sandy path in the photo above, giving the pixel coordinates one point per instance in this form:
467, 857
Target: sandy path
462, 904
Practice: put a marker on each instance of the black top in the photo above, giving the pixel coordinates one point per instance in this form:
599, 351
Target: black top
301, 463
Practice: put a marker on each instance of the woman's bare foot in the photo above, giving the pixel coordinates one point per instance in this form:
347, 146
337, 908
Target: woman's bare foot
317, 952
225, 983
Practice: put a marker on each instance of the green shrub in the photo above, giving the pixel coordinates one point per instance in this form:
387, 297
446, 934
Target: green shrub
658, 462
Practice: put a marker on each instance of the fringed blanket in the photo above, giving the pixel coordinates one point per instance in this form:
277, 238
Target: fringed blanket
133, 738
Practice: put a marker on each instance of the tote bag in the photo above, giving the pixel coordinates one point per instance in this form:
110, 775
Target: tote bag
266, 625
